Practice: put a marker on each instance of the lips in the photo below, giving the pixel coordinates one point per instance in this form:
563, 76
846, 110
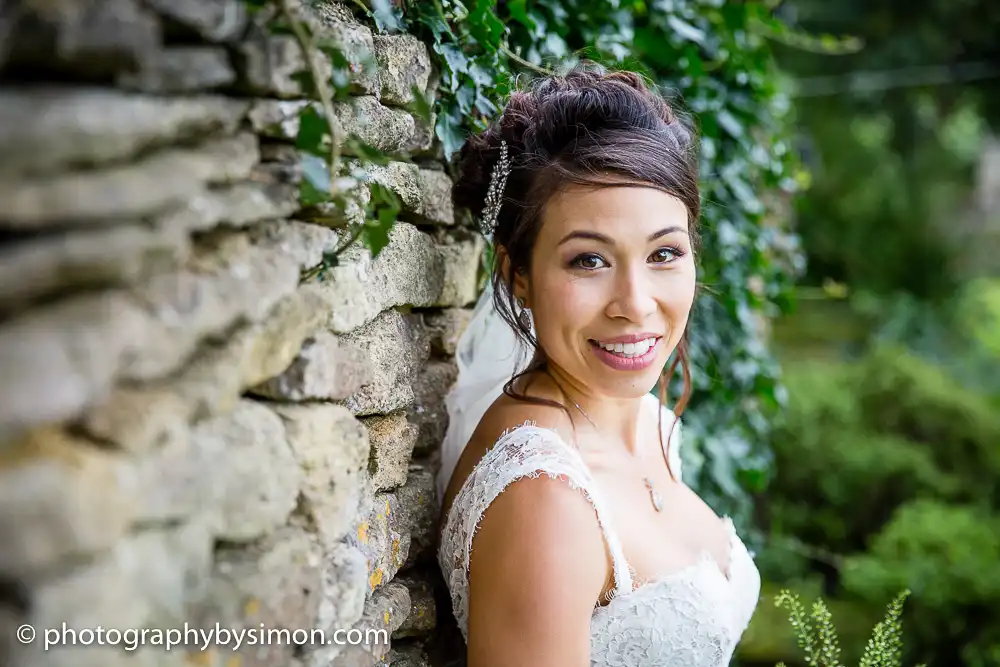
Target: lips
628, 345
636, 354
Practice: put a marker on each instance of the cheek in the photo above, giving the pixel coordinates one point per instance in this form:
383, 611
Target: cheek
678, 297
565, 303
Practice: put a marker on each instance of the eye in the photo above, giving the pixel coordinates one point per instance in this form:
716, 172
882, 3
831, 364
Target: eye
666, 254
588, 262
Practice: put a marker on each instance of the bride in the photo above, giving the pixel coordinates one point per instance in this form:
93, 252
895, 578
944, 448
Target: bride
568, 537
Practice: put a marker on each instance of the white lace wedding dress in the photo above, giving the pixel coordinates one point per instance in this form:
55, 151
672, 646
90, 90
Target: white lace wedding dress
693, 617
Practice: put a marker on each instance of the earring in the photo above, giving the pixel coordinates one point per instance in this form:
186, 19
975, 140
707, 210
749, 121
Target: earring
524, 317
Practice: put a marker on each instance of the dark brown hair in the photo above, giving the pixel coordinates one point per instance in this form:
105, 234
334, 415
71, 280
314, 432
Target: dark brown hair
590, 127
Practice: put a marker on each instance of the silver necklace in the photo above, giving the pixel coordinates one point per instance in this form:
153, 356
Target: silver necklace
654, 496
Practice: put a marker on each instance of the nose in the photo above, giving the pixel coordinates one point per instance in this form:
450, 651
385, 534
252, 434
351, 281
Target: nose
633, 298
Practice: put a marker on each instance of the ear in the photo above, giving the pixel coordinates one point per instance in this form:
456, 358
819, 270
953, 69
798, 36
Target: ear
520, 284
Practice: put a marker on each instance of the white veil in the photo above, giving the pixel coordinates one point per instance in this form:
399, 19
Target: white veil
488, 355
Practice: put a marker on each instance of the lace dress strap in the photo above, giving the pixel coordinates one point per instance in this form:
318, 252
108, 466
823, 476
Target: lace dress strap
522, 452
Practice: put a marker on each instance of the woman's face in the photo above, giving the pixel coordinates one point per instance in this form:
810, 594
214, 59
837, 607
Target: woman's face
612, 282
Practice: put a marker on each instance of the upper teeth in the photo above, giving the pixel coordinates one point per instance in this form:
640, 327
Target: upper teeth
634, 349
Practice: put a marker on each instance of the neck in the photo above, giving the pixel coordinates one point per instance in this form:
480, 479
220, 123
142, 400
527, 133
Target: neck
612, 417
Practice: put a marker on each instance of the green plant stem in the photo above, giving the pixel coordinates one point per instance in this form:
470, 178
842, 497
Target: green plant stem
322, 90
524, 63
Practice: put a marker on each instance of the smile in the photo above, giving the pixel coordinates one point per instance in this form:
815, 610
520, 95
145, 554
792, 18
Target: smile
630, 353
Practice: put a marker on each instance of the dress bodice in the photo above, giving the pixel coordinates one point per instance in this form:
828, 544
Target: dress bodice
693, 617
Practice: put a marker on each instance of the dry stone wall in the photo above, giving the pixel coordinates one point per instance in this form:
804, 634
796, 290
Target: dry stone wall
193, 433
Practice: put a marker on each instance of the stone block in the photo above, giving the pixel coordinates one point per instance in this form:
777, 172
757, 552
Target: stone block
384, 613
422, 617
445, 328
61, 500
234, 205
392, 440
334, 21
345, 589
404, 64
126, 192
270, 65
95, 656
461, 260
238, 471
260, 478
69, 260
408, 654
58, 359
305, 243
48, 129
386, 129
383, 536
214, 20
230, 278
82, 40
397, 349
424, 142
435, 198
323, 370
419, 508
429, 411
275, 584
144, 581
137, 418
332, 449
278, 119
408, 271
424, 194
182, 69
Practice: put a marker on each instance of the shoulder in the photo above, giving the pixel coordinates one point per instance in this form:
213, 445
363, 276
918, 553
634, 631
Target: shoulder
512, 428
537, 567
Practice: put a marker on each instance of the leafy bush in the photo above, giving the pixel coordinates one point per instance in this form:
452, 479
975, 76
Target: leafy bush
887, 474
901, 394
830, 462
950, 556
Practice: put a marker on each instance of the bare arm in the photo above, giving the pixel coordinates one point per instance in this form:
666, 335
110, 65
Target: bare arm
538, 565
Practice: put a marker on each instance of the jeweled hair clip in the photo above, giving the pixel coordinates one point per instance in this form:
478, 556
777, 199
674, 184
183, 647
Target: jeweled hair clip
494, 195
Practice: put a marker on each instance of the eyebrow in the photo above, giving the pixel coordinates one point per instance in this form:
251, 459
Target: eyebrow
596, 236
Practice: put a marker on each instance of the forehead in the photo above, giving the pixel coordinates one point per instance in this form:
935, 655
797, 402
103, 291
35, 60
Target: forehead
617, 212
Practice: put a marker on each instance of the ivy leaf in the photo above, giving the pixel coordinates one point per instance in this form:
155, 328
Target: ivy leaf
366, 152
485, 106
421, 107
313, 126
485, 26
315, 186
375, 233
387, 18
457, 61
686, 30
519, 12
450, 131
466, 97
482, 75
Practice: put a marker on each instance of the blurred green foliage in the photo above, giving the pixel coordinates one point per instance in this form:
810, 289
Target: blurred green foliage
891, 134
889, 479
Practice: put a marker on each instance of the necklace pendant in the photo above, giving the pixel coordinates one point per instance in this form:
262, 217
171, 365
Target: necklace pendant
654, 496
